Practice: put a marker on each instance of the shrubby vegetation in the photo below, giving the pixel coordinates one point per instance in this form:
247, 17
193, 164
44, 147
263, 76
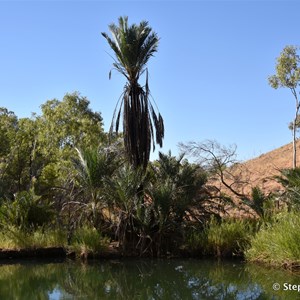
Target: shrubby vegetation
58, 172
60, 178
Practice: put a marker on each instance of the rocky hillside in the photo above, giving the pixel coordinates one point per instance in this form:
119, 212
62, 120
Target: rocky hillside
260, 171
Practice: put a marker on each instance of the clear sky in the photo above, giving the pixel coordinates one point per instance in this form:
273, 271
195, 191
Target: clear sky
208, 78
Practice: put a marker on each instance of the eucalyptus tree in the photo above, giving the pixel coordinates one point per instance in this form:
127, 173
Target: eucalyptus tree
288, 76
18, 161
227, 179
8, 129
26, 163
133, 46
69, 123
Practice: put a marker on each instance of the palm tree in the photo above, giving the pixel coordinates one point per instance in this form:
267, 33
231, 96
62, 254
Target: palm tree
92, 167
133, 46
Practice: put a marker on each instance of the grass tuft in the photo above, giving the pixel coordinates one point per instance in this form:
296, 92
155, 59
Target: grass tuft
88, 241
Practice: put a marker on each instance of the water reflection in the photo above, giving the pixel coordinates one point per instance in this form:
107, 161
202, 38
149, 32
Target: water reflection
143, 279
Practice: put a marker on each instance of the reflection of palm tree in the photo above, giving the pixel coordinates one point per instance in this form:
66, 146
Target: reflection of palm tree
133, 46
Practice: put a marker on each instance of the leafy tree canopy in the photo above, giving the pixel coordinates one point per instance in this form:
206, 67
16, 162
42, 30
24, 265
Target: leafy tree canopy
70, 123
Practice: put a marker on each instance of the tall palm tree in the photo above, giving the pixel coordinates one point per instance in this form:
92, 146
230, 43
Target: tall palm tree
133, 46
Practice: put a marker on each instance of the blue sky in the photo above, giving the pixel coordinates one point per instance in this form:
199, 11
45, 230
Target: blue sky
208, 78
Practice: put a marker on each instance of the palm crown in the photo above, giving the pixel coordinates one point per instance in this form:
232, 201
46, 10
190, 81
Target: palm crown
133, 46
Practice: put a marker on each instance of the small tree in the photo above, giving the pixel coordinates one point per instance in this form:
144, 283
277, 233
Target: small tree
288, 76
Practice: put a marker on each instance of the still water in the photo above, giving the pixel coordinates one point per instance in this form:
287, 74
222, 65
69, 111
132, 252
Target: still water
144, 279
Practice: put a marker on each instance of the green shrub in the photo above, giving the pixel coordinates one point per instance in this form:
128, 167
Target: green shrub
277, 243
228, 237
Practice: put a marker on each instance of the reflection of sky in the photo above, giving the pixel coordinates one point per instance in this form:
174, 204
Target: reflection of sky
54, 295
253, 292
57, 294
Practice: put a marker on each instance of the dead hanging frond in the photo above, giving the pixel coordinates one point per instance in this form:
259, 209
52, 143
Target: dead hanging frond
141, 124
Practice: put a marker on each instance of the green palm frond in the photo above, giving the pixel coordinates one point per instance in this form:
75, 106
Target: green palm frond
290, 179
92, 167
133, 46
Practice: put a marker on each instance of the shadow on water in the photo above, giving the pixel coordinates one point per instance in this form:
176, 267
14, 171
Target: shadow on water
143, 279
